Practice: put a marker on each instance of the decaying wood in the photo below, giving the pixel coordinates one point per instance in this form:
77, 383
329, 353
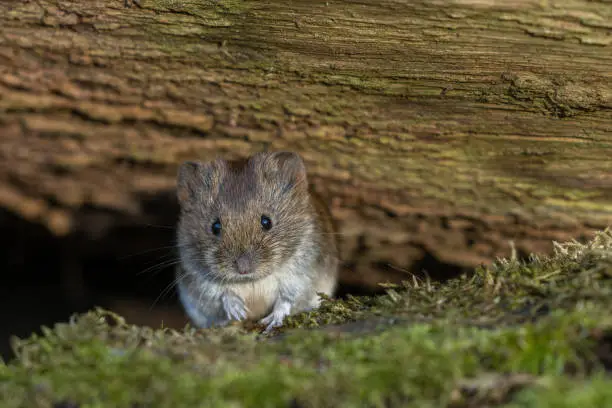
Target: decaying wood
437, 129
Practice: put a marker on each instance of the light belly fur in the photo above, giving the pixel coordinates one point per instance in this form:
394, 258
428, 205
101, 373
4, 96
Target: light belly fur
258, 296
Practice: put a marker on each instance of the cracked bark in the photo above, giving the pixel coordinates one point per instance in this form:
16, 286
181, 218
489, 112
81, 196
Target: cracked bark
438, 130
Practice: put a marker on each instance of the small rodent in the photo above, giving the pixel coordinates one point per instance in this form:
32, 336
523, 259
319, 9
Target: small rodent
255, 242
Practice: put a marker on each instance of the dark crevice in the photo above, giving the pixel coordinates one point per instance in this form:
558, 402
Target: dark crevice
435, 269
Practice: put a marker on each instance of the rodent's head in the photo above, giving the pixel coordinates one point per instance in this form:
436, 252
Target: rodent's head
240, 220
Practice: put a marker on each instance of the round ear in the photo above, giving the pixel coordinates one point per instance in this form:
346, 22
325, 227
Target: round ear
196, 179
288, 167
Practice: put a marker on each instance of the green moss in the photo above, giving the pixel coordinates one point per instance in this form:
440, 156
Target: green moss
562, 392
508, 292
520, 333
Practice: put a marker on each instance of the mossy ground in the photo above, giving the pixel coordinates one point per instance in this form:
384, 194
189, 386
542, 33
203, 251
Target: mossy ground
515, 334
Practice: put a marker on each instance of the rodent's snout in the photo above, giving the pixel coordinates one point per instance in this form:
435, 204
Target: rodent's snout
245, 263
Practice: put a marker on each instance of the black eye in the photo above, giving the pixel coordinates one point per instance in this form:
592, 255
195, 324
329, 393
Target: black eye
216, 227
266, 222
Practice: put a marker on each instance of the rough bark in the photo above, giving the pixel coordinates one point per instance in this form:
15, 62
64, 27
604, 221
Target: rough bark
438, 130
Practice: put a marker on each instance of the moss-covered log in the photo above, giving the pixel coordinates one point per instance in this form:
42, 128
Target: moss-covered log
437, 128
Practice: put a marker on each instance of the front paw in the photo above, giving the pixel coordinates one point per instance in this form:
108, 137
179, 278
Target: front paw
275, 319
234, 307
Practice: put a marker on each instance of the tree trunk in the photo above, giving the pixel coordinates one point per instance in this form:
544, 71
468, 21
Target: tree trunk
438, 130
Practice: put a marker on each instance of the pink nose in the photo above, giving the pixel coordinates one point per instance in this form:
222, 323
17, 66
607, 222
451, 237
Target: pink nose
245, 263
